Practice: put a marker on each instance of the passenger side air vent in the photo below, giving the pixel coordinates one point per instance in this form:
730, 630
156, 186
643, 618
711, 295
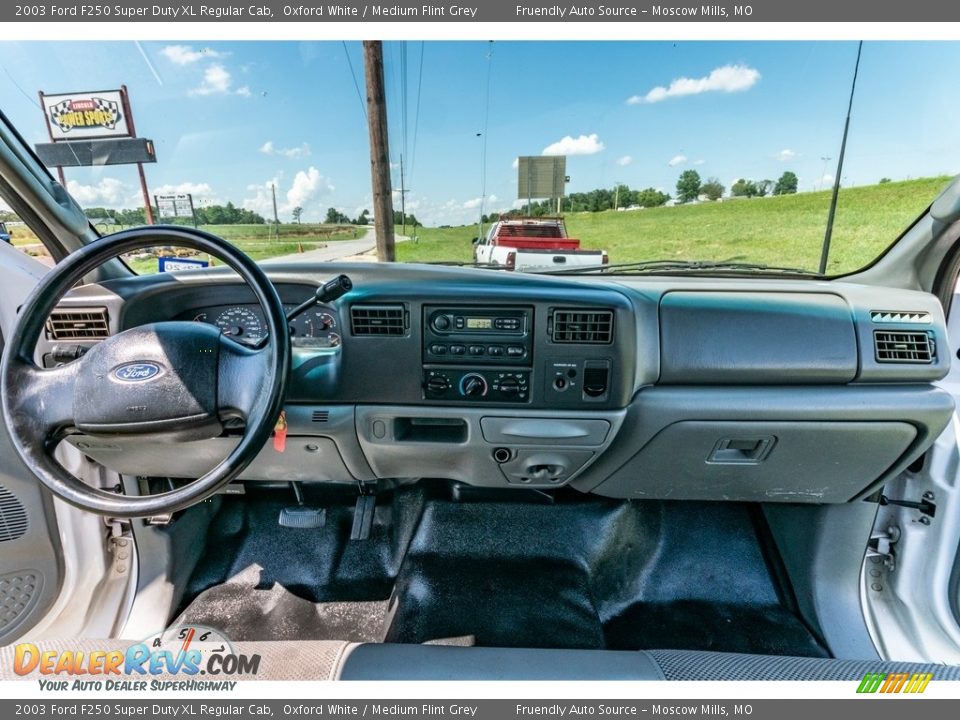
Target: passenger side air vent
904, 347
593, 327
78, 324
320, 416
378, 320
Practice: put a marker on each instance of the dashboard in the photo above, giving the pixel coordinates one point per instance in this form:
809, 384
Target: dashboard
757, 389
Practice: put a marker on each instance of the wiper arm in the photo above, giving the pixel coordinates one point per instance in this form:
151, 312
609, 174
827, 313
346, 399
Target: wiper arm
684, 266
467, 263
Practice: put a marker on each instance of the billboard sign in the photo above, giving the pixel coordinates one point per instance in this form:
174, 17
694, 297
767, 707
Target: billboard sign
541, 176
86, 115
93, 153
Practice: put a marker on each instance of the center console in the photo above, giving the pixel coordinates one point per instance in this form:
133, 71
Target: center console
477, 354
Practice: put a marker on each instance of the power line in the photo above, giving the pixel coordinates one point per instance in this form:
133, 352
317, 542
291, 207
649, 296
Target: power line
483, 151
416, 117
363, 105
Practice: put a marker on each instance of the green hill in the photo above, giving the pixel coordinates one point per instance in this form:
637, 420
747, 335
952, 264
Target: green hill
784, 230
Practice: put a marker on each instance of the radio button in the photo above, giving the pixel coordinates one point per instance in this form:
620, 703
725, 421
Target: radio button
441, 322
495, 351
515, 351
476, 350
457, 350
438, 349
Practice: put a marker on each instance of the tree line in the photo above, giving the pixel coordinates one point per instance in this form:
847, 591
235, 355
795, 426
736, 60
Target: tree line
690, 187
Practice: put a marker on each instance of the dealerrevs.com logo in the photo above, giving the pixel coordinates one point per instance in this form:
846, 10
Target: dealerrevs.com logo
889, 683
182, 658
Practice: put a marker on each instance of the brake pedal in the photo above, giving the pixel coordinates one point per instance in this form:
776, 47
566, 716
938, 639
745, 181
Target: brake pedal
301, 516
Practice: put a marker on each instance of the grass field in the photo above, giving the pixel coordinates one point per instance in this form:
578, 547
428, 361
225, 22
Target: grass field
785, 230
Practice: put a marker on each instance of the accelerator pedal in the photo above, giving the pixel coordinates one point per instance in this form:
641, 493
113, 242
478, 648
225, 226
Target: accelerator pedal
363, 516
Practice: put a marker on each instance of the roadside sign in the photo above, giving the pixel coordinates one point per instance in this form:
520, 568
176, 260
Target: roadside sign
86, 115
171, 264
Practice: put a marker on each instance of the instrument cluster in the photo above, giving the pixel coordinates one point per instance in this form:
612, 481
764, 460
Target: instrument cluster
317, 327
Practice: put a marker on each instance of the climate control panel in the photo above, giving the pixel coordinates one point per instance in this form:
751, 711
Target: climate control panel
477, 385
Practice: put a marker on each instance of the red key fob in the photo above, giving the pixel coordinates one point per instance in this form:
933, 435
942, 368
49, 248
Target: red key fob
280, 433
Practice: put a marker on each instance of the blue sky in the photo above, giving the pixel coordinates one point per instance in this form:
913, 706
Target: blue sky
231, 118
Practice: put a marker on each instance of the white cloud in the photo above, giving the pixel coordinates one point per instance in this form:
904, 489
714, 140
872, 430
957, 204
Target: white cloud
583, 145
476, 202
699, 162
785, 155
308, 185
186, 55
108, 192
269, 148
515, 164
624, 161
677, 160
726, 79
217, 80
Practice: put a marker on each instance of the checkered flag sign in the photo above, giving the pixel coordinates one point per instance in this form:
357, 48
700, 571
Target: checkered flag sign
94, 112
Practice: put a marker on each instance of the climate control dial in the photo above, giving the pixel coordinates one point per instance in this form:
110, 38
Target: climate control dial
473, 385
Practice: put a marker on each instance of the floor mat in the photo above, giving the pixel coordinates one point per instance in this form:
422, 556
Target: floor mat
580, 572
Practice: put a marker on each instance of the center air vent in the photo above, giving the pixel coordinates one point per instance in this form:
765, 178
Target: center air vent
903, 347
78, 324
378, 320
582, 326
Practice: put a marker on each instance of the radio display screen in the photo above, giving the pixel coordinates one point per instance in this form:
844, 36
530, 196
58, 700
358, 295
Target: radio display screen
479, 323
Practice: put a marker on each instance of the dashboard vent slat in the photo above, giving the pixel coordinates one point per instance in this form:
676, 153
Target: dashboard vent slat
79, 324
378, 320
320, 416
593, 327
903, 347
13, 516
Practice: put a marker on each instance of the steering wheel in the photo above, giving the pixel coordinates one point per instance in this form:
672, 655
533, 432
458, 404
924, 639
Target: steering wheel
167, 381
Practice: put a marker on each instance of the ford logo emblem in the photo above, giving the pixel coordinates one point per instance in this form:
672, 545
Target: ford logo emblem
137, 372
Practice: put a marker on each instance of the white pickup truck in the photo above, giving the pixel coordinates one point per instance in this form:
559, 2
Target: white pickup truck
533, 244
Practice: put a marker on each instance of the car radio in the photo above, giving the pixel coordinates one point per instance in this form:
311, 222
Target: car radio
477, 335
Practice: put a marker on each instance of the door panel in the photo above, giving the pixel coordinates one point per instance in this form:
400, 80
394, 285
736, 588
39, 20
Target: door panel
31, 569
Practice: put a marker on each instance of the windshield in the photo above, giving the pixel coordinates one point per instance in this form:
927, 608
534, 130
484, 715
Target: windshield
513, 155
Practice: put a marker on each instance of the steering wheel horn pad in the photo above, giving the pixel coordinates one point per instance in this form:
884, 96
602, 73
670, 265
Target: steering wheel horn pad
158, 379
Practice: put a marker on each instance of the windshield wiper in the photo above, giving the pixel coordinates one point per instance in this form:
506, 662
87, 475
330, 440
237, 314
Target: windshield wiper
669, 267
467, 263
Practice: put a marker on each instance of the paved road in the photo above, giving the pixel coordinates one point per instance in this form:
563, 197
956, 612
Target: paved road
335, 250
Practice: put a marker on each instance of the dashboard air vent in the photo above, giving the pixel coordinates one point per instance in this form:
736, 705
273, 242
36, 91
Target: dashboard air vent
320, 416
13, 516
378, 320
593, 327
80, 324
904, 347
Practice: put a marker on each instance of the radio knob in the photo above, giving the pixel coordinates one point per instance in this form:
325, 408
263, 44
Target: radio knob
473, 385
441, 322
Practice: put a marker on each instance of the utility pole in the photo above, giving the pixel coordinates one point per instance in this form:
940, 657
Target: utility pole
276, 219
379, 150
403, 204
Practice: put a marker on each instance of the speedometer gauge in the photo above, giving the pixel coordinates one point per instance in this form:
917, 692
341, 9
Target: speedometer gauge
241, 324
